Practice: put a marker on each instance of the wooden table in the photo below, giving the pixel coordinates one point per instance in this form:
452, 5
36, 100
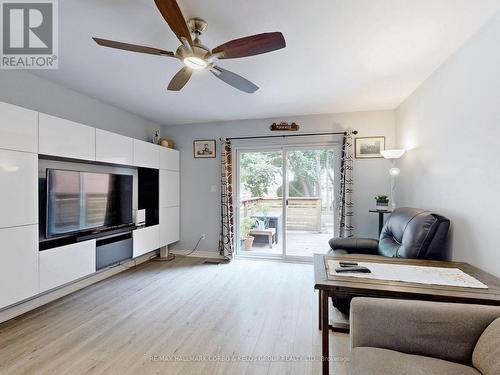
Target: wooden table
269, 232
345, 287
272, 220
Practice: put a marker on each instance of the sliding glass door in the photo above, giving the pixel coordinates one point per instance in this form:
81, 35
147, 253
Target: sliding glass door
285, 201
261, 202
310, 201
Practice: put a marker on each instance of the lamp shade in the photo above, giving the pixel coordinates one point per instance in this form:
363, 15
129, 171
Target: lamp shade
392, 154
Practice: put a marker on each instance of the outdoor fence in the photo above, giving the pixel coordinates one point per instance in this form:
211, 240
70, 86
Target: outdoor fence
303, 214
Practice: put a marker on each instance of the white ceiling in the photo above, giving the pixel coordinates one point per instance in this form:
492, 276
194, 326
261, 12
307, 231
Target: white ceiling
341, 55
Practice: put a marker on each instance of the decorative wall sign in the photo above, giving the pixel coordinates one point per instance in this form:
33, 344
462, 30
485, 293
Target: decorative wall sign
204, 149
284, 127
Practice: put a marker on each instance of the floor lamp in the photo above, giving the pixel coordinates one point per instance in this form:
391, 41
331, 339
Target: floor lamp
393, 155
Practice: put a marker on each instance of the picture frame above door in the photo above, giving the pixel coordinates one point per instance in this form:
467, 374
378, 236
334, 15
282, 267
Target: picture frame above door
204, 149
369, 147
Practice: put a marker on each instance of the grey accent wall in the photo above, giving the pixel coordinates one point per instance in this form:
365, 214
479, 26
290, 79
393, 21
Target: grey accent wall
451, 128
200, 205
29, 91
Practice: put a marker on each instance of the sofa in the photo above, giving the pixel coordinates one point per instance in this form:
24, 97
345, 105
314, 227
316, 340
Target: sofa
393, 337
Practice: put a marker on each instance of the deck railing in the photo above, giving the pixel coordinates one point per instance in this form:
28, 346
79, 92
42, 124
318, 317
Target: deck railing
303, 214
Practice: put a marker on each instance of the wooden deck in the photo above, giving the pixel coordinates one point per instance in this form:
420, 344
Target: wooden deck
300, 243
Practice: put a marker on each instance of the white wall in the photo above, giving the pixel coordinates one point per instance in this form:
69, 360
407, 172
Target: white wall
451, 127
200, 206
29, 91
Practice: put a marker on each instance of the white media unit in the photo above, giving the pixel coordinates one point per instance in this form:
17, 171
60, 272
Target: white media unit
26, 136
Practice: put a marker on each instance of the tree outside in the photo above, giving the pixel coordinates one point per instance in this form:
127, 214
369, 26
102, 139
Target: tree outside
261, 172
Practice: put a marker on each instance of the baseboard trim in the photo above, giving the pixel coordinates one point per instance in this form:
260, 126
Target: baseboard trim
198, 254
42, 299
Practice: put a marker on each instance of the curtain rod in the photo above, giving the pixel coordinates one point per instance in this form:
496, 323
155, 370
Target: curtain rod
289, 135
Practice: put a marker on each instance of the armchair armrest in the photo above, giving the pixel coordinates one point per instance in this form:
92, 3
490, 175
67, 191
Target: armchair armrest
355, 245
446, 331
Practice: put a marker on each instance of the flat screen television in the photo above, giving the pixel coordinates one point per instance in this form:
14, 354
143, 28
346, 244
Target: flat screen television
85, 201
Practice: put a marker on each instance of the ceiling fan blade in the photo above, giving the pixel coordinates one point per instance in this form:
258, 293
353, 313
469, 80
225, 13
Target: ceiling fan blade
234, 80
180, 79
173, 15
132, 47
251, 45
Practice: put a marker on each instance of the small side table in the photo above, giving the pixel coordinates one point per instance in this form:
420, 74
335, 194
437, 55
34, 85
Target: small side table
381, 214
270, 233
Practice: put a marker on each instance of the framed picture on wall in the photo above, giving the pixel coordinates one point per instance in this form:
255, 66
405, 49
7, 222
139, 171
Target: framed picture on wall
369, 147
204, 149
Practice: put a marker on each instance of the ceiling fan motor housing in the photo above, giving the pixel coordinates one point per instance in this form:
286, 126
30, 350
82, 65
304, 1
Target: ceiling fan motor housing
198, 50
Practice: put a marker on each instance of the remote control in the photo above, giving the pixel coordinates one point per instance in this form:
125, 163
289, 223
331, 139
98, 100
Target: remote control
360, 269
347, 264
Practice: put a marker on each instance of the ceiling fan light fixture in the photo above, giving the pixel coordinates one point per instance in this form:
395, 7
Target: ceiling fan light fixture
195, 63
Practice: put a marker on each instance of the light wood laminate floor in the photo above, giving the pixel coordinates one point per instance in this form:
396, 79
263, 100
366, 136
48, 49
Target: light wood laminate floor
138, 321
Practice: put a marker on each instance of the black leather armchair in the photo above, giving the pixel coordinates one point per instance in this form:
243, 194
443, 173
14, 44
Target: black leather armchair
408, 233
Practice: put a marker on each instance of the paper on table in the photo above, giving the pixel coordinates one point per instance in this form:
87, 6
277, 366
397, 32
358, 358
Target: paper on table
410, 274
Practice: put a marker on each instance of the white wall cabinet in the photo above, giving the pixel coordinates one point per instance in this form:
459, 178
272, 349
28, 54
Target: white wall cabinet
169, 159
18, 128
18, 188
114, 148
64, 264
64, 138
169, 225
19, 264
146, 154
24, 134
146, 240
169, 197
169, 188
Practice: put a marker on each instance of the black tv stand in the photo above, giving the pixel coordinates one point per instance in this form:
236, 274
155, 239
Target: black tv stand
113, 249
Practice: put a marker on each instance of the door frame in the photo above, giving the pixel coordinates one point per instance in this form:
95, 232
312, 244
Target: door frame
284, 148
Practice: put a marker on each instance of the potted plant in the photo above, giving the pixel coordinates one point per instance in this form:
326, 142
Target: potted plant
382, 202
246, 226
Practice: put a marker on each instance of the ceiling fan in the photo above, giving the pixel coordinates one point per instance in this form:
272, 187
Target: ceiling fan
196, 56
